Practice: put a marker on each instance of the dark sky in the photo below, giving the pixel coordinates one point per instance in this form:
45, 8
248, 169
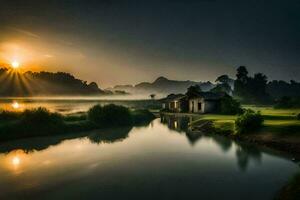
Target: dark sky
118, 42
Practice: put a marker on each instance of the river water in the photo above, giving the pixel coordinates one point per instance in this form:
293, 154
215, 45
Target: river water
71, 105
160, 160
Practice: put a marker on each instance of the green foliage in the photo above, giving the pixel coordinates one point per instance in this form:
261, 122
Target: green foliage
298, 116
222, 88
35, 122
110, 115
142, 116
288, 102
248, 122
230, 106
278, 89
193, 91
41, 119
223, 79
251, 89
95, 113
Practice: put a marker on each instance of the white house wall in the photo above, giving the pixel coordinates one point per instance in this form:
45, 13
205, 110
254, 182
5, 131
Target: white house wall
195, 105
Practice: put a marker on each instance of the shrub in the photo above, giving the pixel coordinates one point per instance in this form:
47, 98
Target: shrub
95, 114
248, 122
142, 116
110, 115
41, 117
230, 106
298, 116
41, 120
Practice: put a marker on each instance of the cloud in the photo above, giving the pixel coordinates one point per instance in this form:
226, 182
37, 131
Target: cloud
25, 32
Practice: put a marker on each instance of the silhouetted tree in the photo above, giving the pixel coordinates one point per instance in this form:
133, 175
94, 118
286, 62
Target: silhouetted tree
251, 89
223, 79
223, 87
193, 90
241, 81
279, 89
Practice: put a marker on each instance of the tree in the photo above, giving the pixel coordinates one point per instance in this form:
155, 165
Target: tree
242, 74
240, 89
222, 88
223, 79
193, 91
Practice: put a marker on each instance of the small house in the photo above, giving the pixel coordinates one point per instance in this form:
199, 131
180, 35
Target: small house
205, 102
175, 103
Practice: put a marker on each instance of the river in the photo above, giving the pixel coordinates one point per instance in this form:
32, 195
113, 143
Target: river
160, 160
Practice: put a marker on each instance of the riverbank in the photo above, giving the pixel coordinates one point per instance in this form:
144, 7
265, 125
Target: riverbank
42, 122
280, 131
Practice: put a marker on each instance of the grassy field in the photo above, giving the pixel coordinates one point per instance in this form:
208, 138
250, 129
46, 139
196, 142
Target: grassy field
281, 129
276, 121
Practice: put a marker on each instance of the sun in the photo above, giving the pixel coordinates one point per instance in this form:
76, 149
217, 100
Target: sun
15, 105
15, 64
16, 161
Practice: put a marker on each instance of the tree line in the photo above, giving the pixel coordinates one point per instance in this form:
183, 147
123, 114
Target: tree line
257, 89
44, 83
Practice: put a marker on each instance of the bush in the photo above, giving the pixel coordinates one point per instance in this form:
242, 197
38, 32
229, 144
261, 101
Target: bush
298, 116
248, 122
110, 115
95, 114
142, 116
230, 106
41, 119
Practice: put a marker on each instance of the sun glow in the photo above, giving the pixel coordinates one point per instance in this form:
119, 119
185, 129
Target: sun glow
15, 64
15, 105
16, 161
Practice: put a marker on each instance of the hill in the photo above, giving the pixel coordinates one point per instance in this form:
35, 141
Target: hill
44, 83
163, 86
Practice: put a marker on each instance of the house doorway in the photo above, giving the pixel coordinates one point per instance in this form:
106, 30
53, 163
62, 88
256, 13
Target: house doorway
199, 106
192, 106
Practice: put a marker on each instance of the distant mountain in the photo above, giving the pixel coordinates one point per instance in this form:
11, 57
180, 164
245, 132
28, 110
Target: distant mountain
44, 83
163, 86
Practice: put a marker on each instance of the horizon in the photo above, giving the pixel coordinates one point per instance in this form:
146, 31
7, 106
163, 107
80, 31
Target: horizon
115, 43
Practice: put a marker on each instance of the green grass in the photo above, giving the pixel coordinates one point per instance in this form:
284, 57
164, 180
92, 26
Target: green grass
275, 120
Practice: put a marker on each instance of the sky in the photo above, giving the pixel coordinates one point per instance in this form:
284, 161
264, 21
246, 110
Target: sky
126, 42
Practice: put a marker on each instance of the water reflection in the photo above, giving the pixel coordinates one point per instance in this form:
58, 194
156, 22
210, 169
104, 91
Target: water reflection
181, 125
69, 105
147, 162
109, 135
245, 153
97, 136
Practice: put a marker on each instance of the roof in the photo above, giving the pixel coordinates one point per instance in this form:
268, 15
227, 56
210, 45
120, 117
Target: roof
174, 97
209, 95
